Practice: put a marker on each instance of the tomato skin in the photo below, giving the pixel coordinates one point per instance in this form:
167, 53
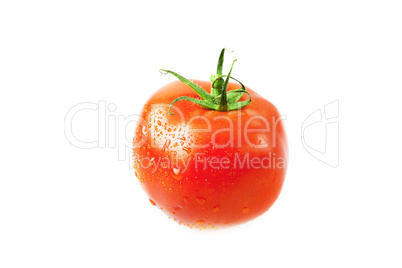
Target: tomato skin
208, 187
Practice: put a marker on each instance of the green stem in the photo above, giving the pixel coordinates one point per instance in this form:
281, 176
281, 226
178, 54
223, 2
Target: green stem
219, 99
223, 106
218, 85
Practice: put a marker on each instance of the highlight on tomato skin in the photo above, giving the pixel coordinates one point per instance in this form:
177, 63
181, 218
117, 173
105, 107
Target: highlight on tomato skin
210, 153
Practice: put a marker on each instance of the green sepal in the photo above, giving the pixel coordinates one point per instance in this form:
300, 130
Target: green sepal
202, 103
233, 95
219, 99
199, 90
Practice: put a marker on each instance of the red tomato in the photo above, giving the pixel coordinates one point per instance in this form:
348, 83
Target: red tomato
210, 167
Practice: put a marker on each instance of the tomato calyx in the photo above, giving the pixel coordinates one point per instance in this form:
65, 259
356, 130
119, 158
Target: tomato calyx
219, 99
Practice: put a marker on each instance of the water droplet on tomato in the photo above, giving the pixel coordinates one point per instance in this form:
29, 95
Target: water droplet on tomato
176, 171
164, 165
166, 145
245, 210
144, 130
201, 200
177, 174
187, 149
216, 208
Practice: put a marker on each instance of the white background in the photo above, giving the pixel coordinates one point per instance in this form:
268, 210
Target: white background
61, 206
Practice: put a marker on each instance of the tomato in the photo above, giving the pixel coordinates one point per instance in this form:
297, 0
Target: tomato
206, 164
